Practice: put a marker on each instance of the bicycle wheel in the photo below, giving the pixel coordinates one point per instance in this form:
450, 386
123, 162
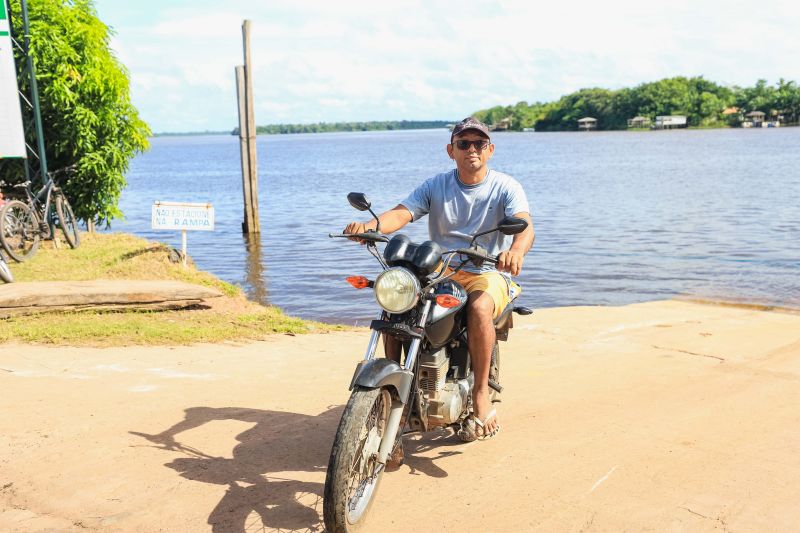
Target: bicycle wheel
19, 230
66, 219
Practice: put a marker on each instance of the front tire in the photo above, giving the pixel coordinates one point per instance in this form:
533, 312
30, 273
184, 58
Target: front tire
353, 471
67, 221
19, 230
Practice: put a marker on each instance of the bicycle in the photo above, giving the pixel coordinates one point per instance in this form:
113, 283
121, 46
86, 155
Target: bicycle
24, 223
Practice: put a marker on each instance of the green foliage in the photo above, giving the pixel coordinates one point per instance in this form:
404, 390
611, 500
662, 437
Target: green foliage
522, 114
700, 100
595, 103
88, 118
320, 127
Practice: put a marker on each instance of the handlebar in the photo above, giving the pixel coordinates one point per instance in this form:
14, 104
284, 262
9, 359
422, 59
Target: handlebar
373, 236
63, 170
479, 254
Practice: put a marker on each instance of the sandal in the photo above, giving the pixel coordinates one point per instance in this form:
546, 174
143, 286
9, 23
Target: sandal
482, 424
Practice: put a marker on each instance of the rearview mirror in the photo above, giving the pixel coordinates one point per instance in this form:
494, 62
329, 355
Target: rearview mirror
512, 225
507, 226
359, 201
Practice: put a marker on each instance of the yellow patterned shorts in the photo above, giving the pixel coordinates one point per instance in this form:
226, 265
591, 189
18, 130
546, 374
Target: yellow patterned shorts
493, 283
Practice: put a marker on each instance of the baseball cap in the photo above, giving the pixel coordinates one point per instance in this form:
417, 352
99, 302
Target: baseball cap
470, 123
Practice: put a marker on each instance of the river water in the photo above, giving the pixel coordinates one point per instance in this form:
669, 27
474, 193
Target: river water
620, 217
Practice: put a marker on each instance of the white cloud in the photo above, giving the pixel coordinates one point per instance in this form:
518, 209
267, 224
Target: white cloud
358, 60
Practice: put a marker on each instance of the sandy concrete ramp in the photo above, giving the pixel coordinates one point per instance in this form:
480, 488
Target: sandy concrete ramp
35, 297
663, 416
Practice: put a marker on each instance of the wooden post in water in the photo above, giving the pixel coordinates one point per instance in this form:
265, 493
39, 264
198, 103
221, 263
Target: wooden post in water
247, 224
247, 137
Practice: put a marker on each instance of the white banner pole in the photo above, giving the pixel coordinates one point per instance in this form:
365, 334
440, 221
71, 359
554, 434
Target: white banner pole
183, 245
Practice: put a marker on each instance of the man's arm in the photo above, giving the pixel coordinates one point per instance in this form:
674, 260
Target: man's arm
511, 260
391, 221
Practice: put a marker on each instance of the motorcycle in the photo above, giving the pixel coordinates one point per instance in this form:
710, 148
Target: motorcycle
425, 311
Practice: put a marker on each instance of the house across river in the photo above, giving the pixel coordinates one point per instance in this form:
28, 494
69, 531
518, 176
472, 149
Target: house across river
639, 122
587, 124
668, 122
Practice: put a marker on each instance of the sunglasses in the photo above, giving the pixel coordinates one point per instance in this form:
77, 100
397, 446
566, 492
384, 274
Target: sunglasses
479, 145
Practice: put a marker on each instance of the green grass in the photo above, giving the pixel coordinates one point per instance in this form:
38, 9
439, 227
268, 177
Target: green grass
112, 256
120, 256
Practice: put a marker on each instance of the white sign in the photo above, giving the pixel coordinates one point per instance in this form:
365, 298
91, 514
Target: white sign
12, 138
182, 216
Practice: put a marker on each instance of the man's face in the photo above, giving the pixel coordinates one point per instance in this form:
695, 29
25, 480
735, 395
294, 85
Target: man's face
470, 158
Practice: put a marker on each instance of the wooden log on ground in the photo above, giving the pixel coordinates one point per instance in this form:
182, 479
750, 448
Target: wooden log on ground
42, 296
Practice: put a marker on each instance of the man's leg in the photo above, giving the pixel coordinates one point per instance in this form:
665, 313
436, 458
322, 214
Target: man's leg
481, 338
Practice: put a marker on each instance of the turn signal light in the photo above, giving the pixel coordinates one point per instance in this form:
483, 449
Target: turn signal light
359, 282
447, 301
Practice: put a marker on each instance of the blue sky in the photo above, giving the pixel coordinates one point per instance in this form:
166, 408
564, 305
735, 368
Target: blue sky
408, 59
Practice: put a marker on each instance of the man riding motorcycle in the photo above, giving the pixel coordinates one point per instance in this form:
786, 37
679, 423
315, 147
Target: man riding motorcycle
462, 202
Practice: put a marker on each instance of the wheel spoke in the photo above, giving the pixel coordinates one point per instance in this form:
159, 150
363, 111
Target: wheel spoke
364, 470
20, 235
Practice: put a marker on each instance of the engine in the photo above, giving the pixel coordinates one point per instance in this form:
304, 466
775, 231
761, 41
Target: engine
447, 398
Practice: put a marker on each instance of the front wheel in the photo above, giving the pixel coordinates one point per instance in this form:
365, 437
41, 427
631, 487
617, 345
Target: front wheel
19, 230
353, 470
67, 221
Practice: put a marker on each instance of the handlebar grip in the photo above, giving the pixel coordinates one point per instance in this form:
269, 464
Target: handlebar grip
476, 254
374, 236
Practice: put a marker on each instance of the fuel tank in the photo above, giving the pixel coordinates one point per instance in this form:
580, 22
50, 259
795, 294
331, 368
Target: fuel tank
422, 258
444, 323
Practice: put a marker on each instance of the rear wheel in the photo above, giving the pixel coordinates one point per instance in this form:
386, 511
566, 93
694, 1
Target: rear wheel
67, 221
19, 230
353, 471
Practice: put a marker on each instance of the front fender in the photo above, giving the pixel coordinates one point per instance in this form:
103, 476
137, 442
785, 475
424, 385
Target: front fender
377, 373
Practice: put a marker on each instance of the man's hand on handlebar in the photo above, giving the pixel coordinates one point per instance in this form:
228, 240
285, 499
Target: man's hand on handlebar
356, 227
510, 261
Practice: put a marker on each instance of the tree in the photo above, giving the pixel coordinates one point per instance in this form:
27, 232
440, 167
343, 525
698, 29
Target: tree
761, 97
701, 100
87, 114
564, 115
788, 99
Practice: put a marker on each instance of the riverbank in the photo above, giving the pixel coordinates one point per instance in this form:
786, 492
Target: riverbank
114, 257
665, 415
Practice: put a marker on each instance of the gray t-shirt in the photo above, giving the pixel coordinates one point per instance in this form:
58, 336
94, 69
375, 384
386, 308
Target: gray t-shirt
459, 211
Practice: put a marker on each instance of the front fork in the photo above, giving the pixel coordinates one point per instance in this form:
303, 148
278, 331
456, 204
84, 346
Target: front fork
398, 404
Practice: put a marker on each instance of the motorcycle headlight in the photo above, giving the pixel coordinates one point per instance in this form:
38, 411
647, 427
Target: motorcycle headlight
397, 290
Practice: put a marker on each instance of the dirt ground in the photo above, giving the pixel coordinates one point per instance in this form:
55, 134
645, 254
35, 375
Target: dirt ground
665, 416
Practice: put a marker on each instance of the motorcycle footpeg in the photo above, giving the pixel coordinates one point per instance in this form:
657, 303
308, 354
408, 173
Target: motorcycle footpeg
522, 310
494, 385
